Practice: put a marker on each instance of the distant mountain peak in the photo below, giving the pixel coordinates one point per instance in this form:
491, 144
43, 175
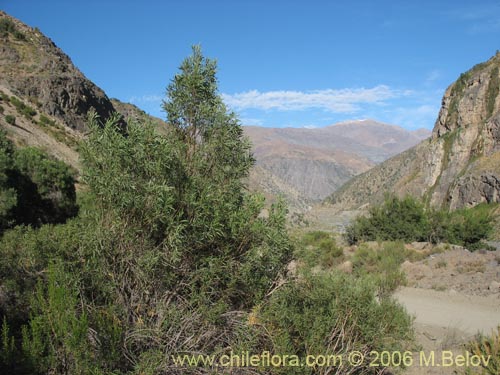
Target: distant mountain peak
460, 165
311, 163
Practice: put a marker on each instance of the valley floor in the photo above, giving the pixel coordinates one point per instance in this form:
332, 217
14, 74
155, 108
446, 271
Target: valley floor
454, 295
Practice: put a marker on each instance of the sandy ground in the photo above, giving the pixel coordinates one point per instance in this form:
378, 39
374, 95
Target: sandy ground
444, 322
468, 314
453, 296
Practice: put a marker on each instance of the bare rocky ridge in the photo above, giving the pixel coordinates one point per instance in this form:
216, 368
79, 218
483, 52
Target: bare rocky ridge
36, 73
35, 68
459, 166
306, 165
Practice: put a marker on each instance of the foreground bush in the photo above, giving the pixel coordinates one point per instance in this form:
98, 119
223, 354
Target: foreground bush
333, 314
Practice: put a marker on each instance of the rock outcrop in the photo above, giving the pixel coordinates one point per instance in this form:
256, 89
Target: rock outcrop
459, 166
46, 97
33, 67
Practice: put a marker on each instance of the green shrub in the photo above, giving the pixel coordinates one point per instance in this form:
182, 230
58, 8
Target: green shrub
10, 119
25, 257
396, 219
8, 194
56, 339
19, 35
44, 120
8, 348
318, 248
6, 26
4, 97
34, 188
408, 220
470, 226
175, 245
45, 186
381, 263
333, 314
22, 108
1, 109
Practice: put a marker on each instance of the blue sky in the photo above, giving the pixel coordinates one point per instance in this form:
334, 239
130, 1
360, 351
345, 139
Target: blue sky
281, 63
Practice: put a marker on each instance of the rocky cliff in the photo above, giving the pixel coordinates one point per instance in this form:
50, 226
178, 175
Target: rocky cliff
459, 166
33, 67
44, 98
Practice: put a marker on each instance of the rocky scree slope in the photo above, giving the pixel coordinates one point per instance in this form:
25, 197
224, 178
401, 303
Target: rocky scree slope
459, 166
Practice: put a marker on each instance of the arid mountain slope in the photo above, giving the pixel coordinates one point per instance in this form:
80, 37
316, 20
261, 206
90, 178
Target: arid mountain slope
44, 98
33, 67
308, 164
459, 166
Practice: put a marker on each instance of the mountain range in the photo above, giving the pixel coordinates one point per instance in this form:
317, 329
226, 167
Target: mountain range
44, 101
303, 165
459, 166
307, 165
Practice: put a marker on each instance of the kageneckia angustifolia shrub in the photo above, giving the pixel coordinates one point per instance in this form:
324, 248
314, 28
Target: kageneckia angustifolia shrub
183, 243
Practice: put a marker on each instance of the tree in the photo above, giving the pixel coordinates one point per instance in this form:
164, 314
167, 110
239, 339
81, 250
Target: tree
215, 155
175, 237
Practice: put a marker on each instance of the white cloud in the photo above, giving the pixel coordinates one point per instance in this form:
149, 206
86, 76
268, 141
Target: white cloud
251, 121
347, 100
146, 99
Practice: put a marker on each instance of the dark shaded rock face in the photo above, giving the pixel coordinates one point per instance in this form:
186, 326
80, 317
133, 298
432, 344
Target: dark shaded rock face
66, 97
35, 68
472, 190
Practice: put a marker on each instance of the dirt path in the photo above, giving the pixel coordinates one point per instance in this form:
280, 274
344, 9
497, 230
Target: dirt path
469, 314
445, 321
